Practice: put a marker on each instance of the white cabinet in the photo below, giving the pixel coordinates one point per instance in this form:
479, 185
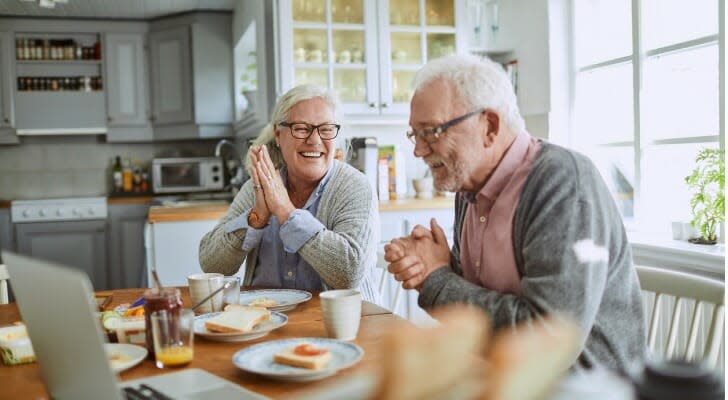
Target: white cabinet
173, 248
395, 224
7, 118
127, 95
368, 51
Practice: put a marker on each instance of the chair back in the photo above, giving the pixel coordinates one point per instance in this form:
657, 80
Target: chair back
4, 277
706, 292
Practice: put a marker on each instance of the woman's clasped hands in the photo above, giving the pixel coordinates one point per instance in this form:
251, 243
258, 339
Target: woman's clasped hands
271, 196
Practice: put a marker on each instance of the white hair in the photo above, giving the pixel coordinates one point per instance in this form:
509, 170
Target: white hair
479, 82
280, 114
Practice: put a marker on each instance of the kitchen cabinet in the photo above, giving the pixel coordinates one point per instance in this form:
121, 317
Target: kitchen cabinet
395, 224
191, 76
7, 242
173, 249
54, 82
127, 91
126, 245
368, 51
7, 115
77, 244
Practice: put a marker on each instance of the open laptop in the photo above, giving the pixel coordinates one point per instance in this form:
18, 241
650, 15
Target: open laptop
57, 306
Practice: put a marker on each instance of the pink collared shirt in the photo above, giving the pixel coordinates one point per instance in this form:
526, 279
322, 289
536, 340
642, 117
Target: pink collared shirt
486, 241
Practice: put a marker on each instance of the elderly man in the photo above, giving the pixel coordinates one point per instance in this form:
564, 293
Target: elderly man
536, 230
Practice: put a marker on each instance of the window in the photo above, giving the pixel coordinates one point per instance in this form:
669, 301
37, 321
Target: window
647, 98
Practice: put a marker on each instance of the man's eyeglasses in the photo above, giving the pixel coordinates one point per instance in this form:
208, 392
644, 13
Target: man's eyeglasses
431, 135
302, 130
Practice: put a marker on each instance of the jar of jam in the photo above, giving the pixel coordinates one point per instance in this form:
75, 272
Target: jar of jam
154, 300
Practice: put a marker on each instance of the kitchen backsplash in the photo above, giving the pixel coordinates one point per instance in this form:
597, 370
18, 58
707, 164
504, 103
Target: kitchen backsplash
74, 166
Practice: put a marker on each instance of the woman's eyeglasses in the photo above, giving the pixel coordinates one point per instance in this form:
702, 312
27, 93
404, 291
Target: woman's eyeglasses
302, 130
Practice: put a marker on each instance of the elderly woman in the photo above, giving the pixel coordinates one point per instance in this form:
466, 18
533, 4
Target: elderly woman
304, 220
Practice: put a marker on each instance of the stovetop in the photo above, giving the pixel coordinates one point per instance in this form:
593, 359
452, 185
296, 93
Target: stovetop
62, 209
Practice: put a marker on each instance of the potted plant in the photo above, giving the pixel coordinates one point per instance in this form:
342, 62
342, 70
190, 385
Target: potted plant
708, 201
249, 81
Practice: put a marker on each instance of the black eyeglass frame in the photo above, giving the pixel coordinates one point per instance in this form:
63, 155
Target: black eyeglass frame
311, 128
431, 135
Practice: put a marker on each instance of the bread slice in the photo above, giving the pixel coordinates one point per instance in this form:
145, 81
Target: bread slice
237, 320
263, 302
232, 307
287, 357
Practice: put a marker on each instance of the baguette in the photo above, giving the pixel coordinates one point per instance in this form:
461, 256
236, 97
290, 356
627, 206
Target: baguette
289, 357
237, 320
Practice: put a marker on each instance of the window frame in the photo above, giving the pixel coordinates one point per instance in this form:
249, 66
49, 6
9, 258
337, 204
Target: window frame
638, 58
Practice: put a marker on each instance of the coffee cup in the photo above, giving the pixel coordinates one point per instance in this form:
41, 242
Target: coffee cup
342, 313
201, 285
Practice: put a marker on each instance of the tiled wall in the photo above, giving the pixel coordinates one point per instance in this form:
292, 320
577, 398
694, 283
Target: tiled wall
73, 166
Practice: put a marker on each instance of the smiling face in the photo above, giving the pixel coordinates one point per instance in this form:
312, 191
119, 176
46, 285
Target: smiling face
307, 160
456, 159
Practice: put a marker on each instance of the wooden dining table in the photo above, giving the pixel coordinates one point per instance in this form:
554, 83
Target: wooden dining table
306, 320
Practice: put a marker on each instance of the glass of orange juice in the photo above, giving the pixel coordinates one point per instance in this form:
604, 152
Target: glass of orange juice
173, 335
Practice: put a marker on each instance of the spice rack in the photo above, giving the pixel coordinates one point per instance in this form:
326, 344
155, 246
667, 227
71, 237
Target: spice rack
56, 75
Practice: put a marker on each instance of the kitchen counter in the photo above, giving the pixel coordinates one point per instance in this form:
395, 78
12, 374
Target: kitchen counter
4, 203
129, 200
214, 210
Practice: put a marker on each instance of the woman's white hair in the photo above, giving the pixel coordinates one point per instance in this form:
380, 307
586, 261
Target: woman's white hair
479, 82
283, 107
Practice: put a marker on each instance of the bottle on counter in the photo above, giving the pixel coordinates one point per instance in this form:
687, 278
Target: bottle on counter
117, 173
137, 177
127, 177
145, 182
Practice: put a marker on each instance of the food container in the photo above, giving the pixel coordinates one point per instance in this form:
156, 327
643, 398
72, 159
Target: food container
124, 329
15, 346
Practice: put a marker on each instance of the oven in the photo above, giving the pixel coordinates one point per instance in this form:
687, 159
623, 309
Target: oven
70, 232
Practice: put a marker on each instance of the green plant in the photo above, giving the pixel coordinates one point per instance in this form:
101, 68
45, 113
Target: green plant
708, 201
249, 77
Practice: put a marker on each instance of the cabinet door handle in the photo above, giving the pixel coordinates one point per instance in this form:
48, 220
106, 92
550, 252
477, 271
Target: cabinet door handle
109, 119
6, 120
385, 105
373, 104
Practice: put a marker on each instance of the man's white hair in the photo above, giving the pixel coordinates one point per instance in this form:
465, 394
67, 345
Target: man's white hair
479, 82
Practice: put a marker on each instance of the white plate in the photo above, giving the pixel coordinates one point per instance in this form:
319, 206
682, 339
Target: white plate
124, 356
286, 299
258, 359
276, 321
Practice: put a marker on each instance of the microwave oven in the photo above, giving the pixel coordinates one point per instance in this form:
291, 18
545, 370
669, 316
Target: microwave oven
187, 174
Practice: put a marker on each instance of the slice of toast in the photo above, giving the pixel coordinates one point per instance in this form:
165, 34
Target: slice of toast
237, 320
288, 357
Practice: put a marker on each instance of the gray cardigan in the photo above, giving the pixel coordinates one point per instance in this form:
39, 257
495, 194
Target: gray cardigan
572, 253
341, 254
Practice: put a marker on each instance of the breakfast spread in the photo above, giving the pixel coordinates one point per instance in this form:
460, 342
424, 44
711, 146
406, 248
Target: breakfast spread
305, 355
263, 302
237, 319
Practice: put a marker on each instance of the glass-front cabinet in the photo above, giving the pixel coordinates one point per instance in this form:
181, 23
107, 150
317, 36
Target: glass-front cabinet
368, 51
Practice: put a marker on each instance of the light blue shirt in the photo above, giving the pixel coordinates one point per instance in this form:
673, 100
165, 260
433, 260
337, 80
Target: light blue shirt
279, 264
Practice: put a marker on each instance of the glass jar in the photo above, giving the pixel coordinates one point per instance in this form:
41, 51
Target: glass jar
154, 300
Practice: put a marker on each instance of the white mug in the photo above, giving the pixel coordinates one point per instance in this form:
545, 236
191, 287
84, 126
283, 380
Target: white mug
201, 285
342, 313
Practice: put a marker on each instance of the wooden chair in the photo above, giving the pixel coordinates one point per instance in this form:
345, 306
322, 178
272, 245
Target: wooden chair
684, 286
4, 277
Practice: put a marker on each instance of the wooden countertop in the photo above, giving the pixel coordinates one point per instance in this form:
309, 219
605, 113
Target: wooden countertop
4, 203
214, 211
129, 200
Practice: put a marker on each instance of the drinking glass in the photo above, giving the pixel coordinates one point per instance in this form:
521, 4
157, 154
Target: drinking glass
173, 338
